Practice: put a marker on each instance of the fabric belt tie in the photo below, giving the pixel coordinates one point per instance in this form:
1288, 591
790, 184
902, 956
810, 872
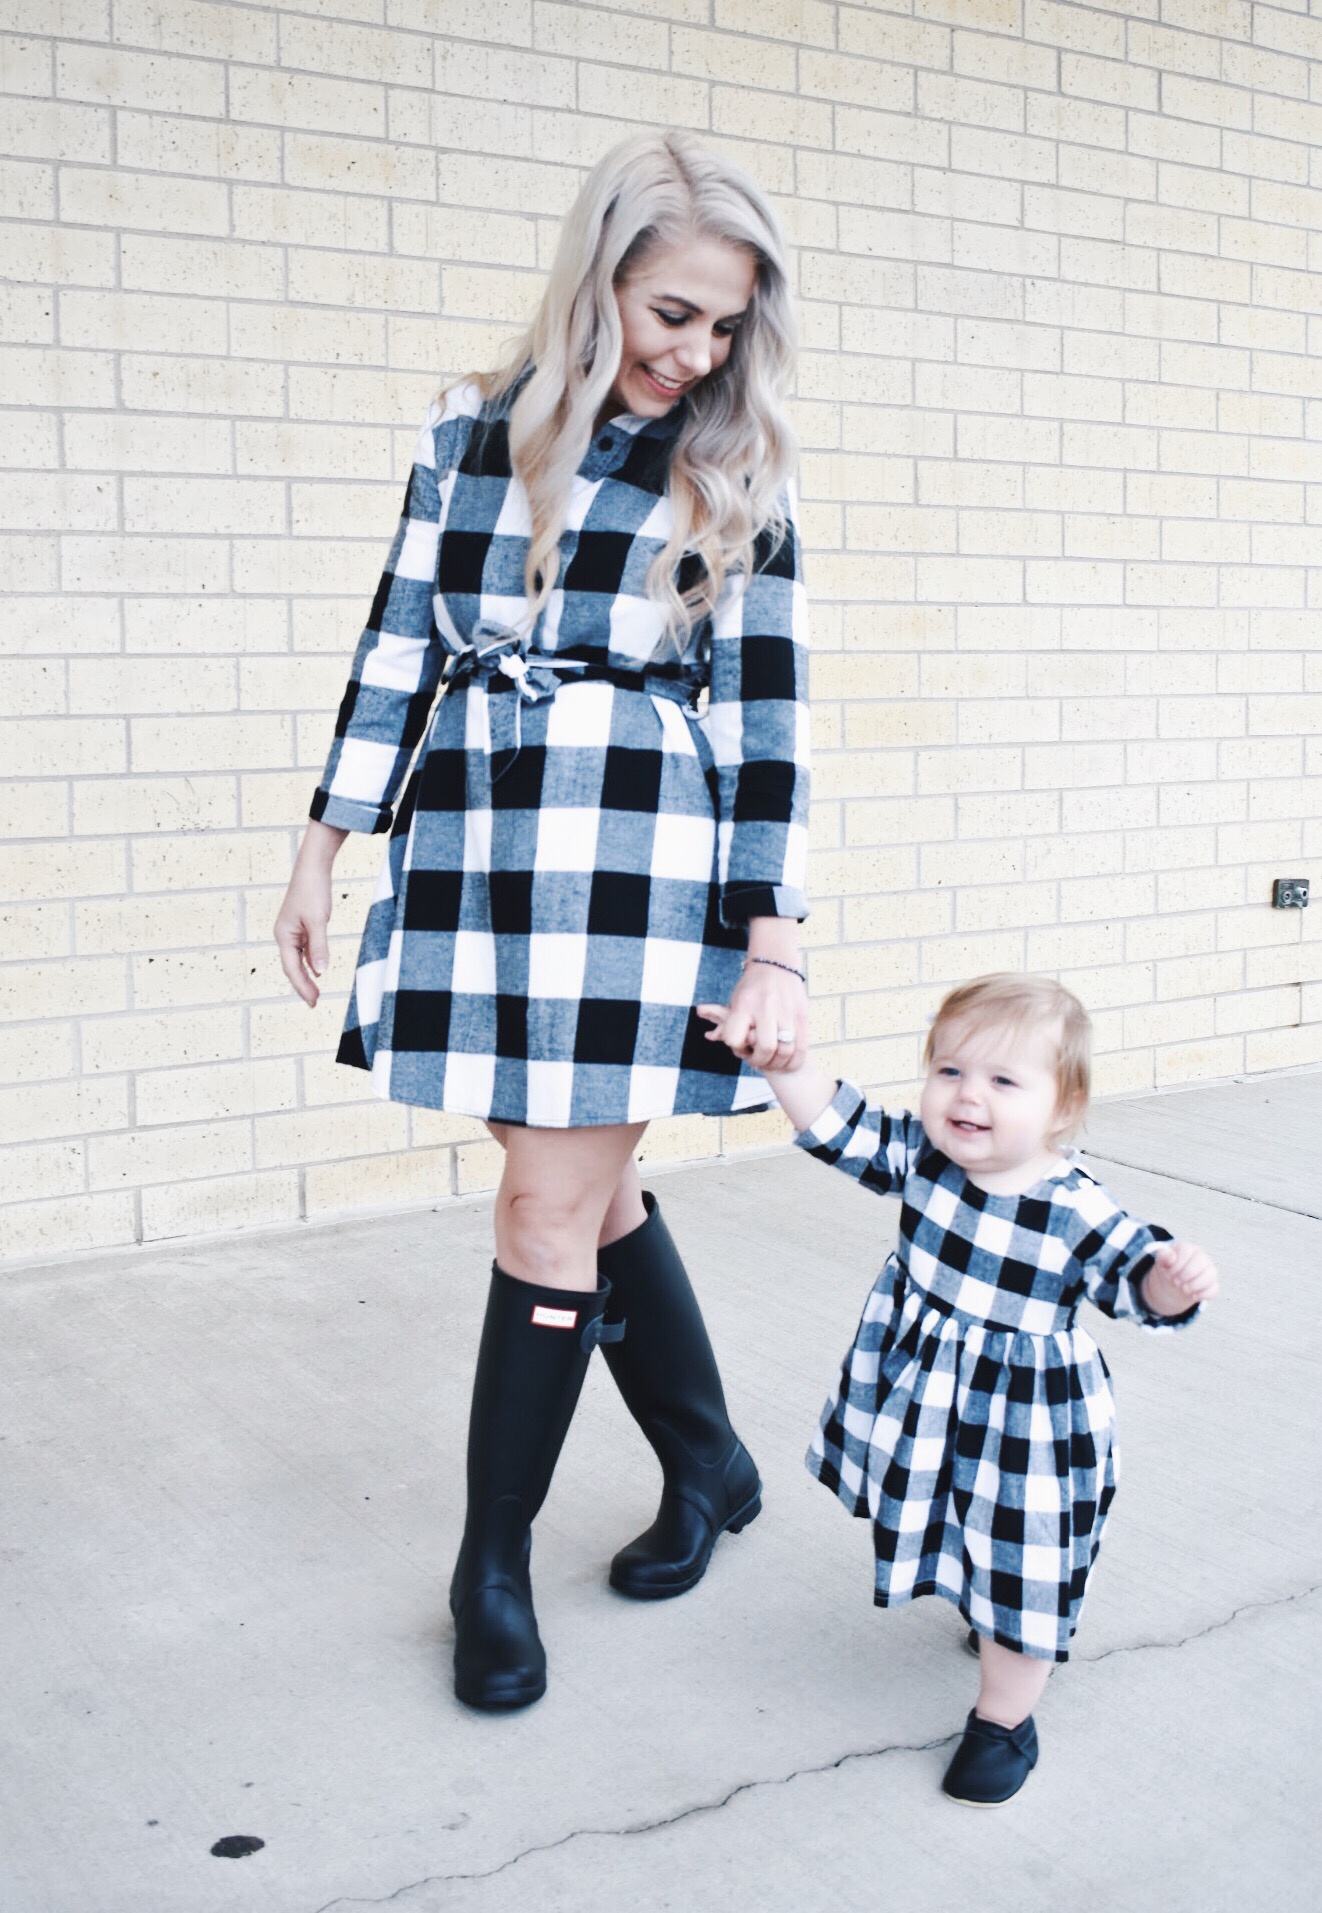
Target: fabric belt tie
497, 651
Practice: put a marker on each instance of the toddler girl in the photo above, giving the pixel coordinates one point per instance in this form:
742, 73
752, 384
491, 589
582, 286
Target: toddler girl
973, 1423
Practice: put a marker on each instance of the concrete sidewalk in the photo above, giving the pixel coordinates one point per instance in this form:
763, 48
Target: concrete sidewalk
232, 1490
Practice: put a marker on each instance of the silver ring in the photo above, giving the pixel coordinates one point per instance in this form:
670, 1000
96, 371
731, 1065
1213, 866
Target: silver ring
784, 1036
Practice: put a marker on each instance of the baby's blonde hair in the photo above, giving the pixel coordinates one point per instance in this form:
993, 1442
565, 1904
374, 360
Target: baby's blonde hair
1006, 1000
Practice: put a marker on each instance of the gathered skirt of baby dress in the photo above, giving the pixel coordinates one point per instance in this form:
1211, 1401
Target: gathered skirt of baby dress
984, 1457
548, 915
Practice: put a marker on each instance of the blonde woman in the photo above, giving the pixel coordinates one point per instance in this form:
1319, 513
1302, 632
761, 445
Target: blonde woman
598, 565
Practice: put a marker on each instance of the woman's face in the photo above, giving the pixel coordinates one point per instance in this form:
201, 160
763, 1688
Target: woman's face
679, 310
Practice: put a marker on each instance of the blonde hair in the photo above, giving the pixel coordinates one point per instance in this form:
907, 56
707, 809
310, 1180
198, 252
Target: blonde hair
1006, 1000
736, 447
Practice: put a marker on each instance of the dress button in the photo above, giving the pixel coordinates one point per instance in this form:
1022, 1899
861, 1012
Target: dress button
605, 442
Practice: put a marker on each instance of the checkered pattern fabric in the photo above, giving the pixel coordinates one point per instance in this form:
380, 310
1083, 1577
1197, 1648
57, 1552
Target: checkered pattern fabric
578, 849
973, 1422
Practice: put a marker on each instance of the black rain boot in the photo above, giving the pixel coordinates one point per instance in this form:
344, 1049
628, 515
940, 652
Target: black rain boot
534, 1352
667, 1374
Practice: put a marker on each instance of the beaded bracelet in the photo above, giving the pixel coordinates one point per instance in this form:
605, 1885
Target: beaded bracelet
774, 964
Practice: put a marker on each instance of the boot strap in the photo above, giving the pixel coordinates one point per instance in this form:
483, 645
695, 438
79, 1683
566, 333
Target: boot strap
599, 1330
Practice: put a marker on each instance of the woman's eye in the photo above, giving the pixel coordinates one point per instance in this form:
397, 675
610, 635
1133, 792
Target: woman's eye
671, 318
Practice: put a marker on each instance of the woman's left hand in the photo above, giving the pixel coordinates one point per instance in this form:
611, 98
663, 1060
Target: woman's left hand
767, 1021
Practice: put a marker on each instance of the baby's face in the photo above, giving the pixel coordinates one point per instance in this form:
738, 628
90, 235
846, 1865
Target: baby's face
990, 1102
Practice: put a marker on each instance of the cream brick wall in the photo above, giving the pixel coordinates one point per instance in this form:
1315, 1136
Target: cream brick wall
1061, 290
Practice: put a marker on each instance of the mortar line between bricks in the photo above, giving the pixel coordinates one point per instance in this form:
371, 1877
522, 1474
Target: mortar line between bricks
799, 1773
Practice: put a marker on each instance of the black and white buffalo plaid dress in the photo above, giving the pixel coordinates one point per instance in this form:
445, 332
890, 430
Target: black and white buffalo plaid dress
973, 1422
578, 850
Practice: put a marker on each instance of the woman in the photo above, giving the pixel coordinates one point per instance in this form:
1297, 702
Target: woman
592, 537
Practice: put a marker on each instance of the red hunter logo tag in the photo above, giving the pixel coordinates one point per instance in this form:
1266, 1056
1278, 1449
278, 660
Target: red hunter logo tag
554, 1318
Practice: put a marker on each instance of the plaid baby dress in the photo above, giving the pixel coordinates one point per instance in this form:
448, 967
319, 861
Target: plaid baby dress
578, 849
973, 1423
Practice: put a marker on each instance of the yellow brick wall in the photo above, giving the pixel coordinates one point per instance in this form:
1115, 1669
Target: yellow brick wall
1061, 291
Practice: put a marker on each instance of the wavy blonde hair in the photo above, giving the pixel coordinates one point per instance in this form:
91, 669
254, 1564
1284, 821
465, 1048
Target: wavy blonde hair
736, 448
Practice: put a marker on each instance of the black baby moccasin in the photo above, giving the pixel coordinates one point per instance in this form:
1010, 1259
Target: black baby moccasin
991, 1762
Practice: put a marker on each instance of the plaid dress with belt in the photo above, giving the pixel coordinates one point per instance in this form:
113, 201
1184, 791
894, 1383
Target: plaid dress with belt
973, 1423
574, 860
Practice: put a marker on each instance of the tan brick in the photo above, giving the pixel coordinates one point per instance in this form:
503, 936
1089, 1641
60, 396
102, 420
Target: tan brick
379, 1182
213, 1091
113, 1043
148, 80
891, 136
75, 987
1177, 933
1062, 488
199, 625
176, 1154
29, 1230
1288, 1048
28, 564
967, 769
63, 870
50, 1110
144, 564
219, 743
509, 21
45, 1170
27, 317
31, 747
49, 129
144, 923
34, 930
307, 564
202, 385
209, 148
351, 396
1191, 1062
38, 809
217, 1204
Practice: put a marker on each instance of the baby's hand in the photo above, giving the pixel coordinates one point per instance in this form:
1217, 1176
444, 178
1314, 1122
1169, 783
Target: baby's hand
717, 1015
1181, 1275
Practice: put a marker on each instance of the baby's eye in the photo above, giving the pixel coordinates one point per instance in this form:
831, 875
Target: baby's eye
948, 1069
1004, 1082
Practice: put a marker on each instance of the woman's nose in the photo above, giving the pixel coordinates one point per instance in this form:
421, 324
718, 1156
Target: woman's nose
695, 356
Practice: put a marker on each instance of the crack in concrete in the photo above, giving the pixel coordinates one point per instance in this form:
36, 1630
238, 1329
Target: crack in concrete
1213, 1627
1192, 1182
798, 1773
645, 1826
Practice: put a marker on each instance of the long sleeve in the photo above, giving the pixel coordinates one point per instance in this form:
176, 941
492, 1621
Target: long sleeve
1116, 1251
757, 723
397, 666
862, 1141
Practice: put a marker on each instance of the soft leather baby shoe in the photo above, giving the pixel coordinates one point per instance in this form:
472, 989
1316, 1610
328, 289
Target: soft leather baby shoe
991, 1762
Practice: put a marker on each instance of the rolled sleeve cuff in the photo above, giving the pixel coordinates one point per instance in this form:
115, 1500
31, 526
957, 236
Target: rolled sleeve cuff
342, 814
740, 901
1148, 1319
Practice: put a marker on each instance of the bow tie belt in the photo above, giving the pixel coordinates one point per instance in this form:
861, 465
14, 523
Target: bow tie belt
497, 652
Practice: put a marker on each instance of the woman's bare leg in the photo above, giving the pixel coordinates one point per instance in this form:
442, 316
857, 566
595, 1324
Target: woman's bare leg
625, 1211
555, 1194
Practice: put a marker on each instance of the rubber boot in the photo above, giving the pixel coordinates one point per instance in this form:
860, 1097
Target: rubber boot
534, 1352
667, 1374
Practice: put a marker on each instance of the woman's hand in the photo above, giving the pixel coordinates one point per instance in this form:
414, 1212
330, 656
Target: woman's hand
801, 1088
300, 924
767, 1018
1181, 1274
